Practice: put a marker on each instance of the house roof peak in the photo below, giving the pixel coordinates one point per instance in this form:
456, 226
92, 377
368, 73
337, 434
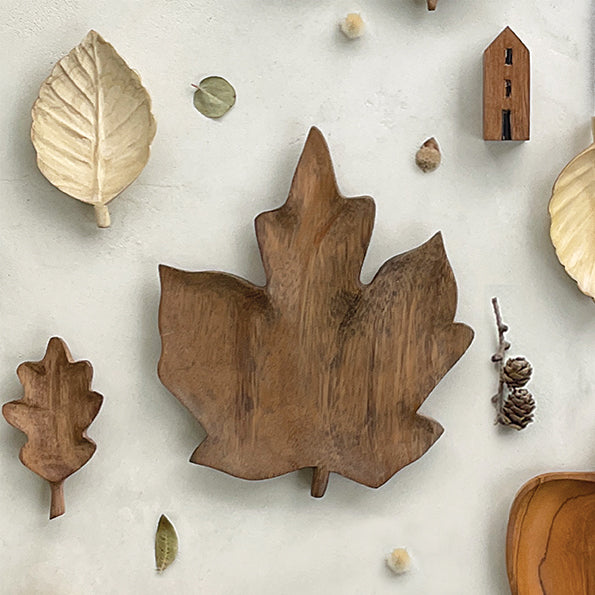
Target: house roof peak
507, 32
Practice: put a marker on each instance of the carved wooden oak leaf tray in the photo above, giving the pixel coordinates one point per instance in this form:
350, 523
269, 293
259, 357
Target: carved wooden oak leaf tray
550, 547
55, 412
315, 369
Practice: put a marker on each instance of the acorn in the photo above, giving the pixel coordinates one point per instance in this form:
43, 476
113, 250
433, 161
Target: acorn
428, 157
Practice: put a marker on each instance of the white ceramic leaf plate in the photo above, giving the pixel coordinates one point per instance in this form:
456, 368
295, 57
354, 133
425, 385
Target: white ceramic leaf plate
572, 212
92, 125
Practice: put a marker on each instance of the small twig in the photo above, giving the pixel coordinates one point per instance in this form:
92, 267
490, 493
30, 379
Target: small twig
514, 403
498, 357
503, 345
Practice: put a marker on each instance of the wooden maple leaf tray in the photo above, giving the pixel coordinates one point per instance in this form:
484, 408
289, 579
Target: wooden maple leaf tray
315, 369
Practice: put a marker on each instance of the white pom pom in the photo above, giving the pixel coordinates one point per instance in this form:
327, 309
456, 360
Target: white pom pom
399, 560
353, 25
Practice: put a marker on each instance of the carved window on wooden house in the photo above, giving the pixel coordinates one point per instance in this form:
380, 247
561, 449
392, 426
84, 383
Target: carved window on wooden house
506, 88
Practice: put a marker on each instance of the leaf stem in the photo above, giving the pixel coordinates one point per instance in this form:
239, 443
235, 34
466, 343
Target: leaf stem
57, 506
102, 215
319, 481
498, 357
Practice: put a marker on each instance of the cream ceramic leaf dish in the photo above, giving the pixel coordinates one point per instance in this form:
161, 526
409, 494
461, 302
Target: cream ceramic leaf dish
572, 212
92, 125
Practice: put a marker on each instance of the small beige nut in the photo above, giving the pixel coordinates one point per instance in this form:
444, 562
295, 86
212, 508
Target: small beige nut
399, 560
353, 25
428, 157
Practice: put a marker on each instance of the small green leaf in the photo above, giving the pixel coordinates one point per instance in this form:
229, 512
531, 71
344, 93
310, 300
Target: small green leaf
214, 97
166, 544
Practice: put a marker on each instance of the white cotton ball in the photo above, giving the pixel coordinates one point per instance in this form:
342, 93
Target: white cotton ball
399, 560
353, 25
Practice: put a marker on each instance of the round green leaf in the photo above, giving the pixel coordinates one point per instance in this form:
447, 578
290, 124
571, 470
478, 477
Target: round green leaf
214, 97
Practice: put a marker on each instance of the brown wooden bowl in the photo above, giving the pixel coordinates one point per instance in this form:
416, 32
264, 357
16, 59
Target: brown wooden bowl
550, 546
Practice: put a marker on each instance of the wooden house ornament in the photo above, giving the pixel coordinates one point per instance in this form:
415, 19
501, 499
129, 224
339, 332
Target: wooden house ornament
506, 88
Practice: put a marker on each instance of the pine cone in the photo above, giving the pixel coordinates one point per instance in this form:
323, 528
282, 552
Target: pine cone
517, 372
518, 408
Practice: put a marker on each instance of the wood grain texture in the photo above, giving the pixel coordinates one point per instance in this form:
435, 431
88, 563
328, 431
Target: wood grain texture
315, 369
55, 412
496, 97
550, 547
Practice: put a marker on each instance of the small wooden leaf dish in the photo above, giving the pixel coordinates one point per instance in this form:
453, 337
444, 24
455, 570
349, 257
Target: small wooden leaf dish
550, 546
92, 125
572, 213
55, 412
315, 369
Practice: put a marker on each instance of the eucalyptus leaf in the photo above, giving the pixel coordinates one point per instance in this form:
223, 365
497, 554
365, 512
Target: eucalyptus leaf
166, 544
214, 97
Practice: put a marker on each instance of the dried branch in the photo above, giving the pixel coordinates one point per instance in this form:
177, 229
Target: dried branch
502, 328
514, 404
498, 357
